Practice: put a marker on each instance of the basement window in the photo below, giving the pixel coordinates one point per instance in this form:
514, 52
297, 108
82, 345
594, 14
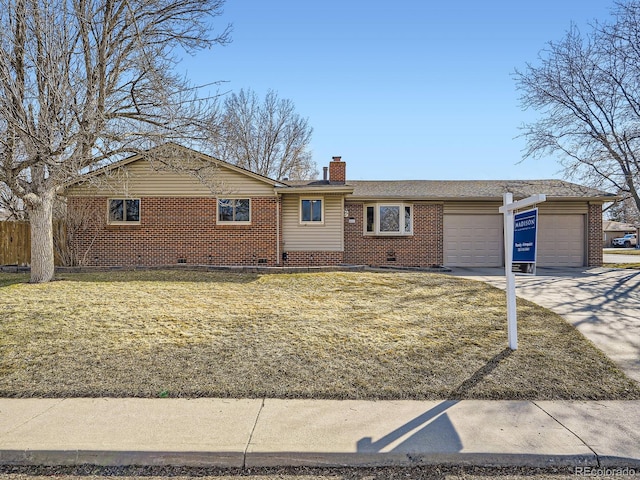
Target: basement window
124, 211
388, 219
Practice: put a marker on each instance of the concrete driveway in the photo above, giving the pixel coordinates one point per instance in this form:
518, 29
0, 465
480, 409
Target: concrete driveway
602, 303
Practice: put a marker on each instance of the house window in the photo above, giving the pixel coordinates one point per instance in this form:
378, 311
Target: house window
234, 210
388, 219
311, 210
123, 210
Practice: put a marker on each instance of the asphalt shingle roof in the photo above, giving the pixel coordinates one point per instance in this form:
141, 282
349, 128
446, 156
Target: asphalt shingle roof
471, 189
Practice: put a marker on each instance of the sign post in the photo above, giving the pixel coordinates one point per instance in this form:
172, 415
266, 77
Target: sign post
508, 209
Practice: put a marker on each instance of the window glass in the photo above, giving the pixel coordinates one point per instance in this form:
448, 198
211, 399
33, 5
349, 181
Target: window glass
407, 219
242, 210
370, 220
389, 218
306, 210
225, 210
234, 210
124, 210
311, 211
316, 210
116, 210
133, 210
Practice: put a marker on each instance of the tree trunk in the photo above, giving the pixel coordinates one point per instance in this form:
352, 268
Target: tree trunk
41, 220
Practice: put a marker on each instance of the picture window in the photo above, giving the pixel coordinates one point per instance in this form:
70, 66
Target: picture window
389, 219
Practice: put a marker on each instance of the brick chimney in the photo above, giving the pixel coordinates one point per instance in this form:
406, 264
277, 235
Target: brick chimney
337, 170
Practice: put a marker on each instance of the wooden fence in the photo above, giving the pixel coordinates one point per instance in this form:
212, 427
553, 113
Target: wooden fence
15, 243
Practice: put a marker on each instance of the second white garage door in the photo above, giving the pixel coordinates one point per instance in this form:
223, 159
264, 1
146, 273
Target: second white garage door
473, 241
561, 241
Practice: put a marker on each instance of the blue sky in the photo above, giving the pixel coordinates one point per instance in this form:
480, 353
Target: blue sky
409, 89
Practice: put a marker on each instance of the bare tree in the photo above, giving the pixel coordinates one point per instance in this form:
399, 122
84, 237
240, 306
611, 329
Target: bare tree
83, 83
587, 89
624, 211
67, 227
267, 137
10, 205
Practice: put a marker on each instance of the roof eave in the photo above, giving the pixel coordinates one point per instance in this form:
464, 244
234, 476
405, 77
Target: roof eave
344, 189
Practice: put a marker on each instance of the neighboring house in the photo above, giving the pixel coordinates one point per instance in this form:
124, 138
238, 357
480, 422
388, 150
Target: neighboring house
613, 230
161, 217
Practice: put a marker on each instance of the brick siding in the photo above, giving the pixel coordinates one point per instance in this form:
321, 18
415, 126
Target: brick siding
594, 235
176, 230
179, 230
422, 249
337, 170
312, 258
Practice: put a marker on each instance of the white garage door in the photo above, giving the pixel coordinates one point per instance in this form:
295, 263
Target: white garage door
473, 240
561, 240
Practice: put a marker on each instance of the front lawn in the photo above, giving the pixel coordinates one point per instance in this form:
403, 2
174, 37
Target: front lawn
626, 251
627, 266
360, 335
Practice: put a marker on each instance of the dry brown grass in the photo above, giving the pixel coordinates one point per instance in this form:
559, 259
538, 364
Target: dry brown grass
613, 251
321, 335
624, 266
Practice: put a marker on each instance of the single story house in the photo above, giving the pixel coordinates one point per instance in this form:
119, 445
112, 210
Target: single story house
611, 230
145, 215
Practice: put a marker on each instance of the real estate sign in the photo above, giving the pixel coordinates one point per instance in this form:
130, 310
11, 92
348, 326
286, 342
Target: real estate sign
525, 235
519, 229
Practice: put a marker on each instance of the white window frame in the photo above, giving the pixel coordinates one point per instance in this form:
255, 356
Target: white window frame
376, 219
312, 222
232, 222
124, 211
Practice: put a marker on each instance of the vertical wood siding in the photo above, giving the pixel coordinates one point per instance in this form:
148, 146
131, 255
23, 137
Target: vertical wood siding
15, 243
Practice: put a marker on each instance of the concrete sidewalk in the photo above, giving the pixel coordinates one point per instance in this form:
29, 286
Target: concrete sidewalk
262, 433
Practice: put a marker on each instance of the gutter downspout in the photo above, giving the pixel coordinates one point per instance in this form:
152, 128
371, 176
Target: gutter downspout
279, 200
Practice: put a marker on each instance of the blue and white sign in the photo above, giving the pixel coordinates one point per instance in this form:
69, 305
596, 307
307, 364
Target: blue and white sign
525, 235
521, 245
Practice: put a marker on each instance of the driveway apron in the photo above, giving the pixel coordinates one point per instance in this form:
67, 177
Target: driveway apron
602, 303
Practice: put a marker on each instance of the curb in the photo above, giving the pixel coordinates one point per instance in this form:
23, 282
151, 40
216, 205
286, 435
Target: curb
105, 458
229, 460
240, 460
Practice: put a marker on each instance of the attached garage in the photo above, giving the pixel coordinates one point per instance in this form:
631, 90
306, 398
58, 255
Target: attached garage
467, 231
